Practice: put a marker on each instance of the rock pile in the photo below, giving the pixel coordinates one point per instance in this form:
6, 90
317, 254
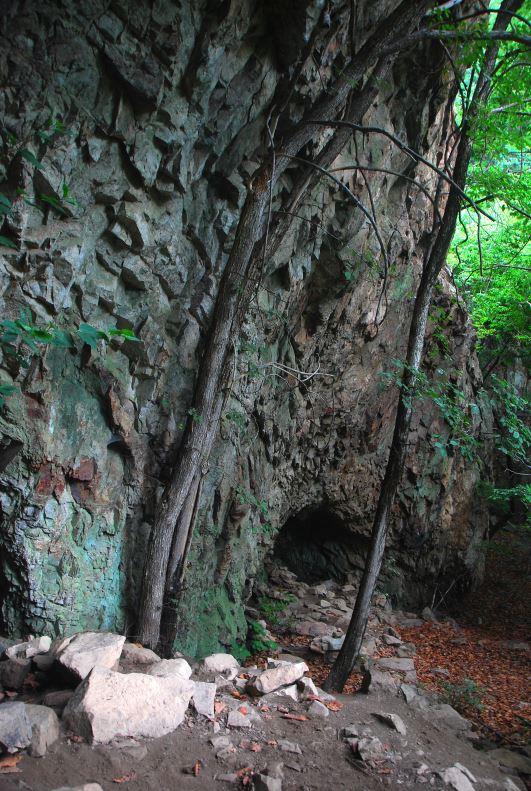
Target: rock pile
126, 691
103, 690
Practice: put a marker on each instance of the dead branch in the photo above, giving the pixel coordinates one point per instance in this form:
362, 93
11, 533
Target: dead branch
415, 156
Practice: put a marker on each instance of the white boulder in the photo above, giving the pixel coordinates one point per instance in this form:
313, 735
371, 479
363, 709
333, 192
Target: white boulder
225, 664
131, 652
86, 787
82, 652
273, 678
109, 704
171, 667
203, 698
457, 779
37, 645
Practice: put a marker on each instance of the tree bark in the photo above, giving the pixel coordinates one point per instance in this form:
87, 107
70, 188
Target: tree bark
434, 262
231, 304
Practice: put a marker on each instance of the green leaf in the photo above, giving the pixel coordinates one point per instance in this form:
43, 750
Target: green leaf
124, 333
54, 202
5, 392
31, 158
41, 335
91, 335
62, 339
5, 242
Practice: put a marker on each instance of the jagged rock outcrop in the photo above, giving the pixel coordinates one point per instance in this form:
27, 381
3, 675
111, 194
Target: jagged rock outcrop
154, 117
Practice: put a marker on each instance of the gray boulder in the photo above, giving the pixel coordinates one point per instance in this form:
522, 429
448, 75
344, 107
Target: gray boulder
58, 700
15, 727
138, 655
392, 720
13, 672
44, 728
402, 664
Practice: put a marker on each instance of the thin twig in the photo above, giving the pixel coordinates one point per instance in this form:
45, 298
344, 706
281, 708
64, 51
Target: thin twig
415, 156
345, 189
392, 173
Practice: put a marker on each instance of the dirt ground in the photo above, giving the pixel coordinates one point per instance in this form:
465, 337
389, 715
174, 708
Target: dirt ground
326, 762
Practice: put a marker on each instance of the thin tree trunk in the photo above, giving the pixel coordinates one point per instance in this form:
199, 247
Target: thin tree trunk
343, 665
201, 427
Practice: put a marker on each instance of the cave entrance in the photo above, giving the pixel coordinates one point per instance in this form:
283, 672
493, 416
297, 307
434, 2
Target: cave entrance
316, 545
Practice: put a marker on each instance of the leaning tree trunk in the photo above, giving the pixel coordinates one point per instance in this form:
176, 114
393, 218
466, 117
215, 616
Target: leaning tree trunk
235, 290
343, 665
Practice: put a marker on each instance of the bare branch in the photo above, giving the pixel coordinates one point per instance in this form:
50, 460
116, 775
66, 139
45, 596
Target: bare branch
484, 11
415, 156
504, 107
351, 195
465, 35
397, 173
307, 219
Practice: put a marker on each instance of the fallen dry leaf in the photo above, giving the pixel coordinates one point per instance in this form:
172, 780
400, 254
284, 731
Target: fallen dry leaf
297, 717
254, 747
238, 695
125, 778
193, 770
9, 760
31, 682
243, 709
334, 705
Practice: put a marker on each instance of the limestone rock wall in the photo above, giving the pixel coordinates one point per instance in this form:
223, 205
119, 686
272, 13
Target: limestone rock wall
147, 120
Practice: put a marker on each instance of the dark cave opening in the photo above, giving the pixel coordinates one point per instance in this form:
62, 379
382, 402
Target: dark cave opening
316, 544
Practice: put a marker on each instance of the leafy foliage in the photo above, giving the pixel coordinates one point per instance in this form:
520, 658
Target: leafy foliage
455, 407
271, 608
464, 696
245, 497
21, 339
491, 260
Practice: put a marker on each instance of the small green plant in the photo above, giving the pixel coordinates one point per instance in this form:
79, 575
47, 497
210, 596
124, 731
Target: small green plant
353, 266
194, 415
239, 651
61, 203
257, 639
271, 608
464, 696
238, 418
245, 497
453, 405
21, 339
440, 346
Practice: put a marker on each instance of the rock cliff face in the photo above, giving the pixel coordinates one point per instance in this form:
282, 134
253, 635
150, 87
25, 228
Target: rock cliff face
148, 119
